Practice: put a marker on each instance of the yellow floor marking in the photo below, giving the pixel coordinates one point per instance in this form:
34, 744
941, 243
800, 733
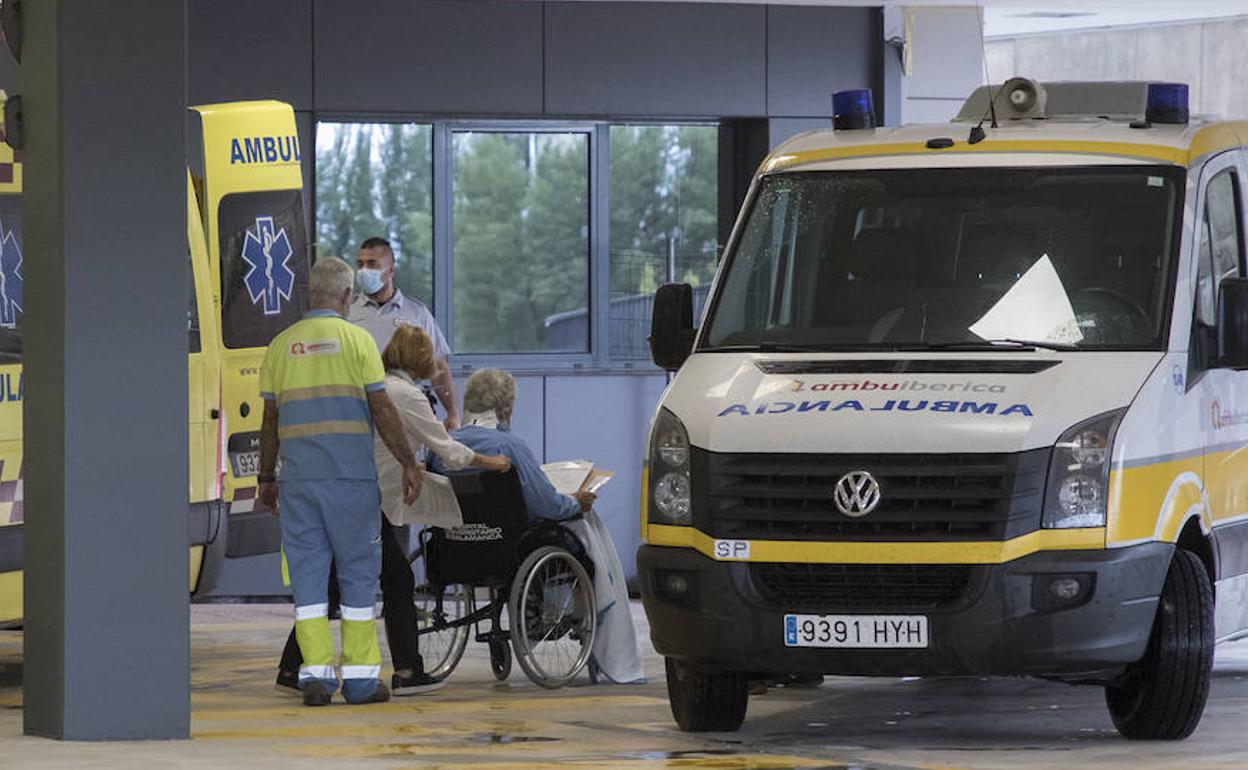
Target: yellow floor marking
620, 760
434, 706
458, 730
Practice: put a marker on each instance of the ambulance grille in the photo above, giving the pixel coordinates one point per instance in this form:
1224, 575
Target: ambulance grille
832, 587
924, 497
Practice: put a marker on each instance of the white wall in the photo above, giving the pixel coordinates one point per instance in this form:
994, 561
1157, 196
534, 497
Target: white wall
1208, 56
943, 59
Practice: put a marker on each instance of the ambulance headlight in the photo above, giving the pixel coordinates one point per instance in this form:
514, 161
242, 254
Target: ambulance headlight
1078, 490
669, 482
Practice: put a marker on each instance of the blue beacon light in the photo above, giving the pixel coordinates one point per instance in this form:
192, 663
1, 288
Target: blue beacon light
852, 110
1167, 103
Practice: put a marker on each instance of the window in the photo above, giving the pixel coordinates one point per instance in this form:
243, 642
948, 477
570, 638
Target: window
924, 258
1219, 243
664, 222
520, 256
376, 179
10, 279
264, 265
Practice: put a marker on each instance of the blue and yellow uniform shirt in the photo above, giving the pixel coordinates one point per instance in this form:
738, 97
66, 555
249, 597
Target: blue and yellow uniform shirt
319, 372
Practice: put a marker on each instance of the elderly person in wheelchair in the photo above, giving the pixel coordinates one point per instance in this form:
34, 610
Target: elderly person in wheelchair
561, 524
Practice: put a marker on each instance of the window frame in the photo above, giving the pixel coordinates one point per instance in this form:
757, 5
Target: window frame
444, 288
645, 364
597, 359
365, 118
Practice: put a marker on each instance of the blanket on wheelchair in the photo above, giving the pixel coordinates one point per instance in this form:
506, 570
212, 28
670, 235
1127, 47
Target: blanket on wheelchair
616, 653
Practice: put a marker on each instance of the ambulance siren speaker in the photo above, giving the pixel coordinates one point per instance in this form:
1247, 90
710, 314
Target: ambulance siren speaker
1023, 98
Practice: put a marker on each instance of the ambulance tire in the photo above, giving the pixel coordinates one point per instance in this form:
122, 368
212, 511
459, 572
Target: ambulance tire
706, 701
1162, 697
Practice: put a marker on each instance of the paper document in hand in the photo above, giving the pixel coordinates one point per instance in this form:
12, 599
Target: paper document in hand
437, 505
572, 476
596, 479
568, 475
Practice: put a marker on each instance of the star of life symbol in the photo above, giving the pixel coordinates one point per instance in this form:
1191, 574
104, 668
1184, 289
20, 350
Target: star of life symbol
10, 279
269, 277
856, 494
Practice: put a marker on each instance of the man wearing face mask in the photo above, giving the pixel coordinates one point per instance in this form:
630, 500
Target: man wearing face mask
381, 308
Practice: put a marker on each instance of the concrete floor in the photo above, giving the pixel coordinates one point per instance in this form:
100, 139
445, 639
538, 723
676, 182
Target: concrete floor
474, 722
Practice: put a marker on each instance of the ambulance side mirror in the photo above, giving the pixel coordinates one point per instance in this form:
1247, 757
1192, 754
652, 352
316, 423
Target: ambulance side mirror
1233, 323
671, 325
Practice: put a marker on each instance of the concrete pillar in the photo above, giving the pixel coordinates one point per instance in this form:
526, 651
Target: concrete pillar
105, 325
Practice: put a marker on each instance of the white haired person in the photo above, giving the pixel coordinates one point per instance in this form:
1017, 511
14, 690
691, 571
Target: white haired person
408, 357
489, 398
324, 392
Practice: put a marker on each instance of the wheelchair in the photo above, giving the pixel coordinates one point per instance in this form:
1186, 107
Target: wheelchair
538, 572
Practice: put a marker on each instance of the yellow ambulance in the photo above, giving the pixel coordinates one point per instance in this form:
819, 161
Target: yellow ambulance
965, 399
248, 257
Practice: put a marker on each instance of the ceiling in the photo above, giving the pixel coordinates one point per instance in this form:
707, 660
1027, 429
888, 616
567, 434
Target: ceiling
1024, 17
1019, 17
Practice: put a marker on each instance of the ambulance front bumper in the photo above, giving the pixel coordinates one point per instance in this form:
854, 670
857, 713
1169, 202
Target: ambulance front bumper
1005, 619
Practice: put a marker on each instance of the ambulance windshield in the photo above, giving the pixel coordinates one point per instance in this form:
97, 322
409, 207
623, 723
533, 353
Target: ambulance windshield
938, 258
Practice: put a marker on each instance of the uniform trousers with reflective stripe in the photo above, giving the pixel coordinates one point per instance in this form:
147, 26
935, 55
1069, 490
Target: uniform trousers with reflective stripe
334, 522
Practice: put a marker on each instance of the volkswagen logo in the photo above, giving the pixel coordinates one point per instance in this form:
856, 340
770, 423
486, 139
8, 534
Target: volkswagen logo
857, 494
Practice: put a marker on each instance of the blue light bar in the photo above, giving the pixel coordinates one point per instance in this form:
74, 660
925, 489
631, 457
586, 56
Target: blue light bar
1167, 103
852, 110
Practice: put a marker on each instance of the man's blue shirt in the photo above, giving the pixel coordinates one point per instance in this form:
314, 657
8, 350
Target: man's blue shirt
540, 498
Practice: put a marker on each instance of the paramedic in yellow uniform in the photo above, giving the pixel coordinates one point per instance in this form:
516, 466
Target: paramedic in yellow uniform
322, 384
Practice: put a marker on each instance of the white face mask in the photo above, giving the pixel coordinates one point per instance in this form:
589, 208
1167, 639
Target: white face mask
370, 280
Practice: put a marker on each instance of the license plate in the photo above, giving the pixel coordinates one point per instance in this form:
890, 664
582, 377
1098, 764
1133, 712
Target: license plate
245, 463
862, 631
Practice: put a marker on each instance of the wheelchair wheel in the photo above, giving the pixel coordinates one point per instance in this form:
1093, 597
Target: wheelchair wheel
500, 659
553, 616
441, 650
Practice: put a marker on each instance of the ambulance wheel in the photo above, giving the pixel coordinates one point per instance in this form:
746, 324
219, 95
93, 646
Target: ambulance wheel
500, 659
706, 701
1162, 697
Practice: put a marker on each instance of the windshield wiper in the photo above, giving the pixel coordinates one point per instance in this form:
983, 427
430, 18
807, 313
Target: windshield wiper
760, 347
1006, 343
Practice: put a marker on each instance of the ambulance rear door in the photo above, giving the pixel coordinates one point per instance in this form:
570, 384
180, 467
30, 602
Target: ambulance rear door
11, 512
252, 198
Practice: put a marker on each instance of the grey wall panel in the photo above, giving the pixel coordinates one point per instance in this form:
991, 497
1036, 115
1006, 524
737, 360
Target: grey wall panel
619, 410
243, 49
469, 56
813, 51
252, 576
640, 59
528, 421
782, 129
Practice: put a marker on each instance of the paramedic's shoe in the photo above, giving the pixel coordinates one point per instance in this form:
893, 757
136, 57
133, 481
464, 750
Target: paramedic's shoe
315, 694
287, 684
380, 695
418, 683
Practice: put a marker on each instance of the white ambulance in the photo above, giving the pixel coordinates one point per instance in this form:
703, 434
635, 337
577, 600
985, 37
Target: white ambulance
965, 399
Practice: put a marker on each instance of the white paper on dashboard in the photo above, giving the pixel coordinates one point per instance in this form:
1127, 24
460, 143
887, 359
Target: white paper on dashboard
1035, 308
568, 475
437, 505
